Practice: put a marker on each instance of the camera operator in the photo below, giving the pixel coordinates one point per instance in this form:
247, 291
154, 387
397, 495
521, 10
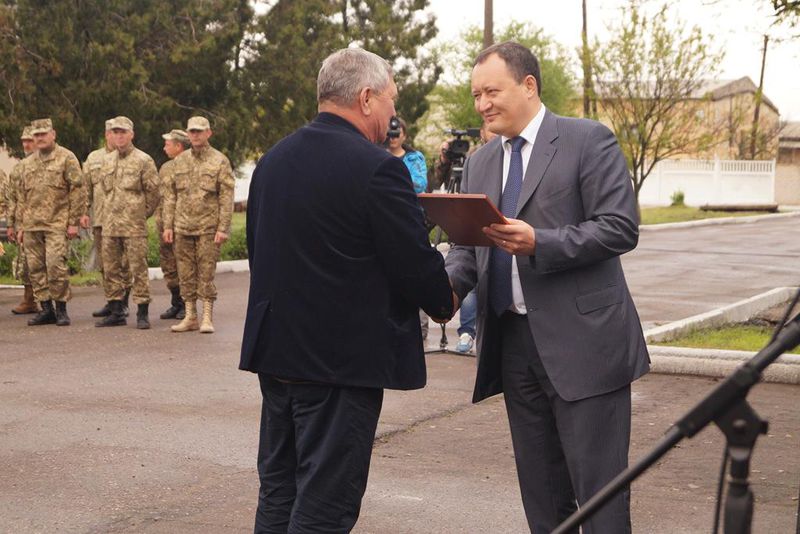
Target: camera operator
414, 160
468, 310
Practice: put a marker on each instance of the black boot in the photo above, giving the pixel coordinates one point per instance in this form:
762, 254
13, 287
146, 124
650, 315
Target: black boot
125, 302
105, 311
115, 318
62, 319
176, 306
46, 316
142, 322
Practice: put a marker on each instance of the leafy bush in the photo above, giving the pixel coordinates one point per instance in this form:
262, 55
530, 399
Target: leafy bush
78, 255
7, 261
235, 248
677, 198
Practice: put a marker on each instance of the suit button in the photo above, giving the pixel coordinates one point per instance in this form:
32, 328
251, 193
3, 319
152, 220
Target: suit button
531, 309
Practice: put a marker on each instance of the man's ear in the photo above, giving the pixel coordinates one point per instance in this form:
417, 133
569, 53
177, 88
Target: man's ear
364, 99
530, 85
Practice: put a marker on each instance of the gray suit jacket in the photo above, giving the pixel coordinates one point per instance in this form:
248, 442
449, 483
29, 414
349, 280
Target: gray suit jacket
577, 195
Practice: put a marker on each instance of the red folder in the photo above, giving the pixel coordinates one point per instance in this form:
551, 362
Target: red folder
462, 216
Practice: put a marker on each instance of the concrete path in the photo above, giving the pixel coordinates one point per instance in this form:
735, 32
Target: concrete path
117, 430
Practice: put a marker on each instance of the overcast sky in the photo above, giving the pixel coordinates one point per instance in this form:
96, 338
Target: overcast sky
737, 26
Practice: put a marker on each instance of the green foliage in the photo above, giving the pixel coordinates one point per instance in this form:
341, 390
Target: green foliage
728, 337
7, 260
558, 84
686, 213
78, 255
235, 248
648, 76
677, 198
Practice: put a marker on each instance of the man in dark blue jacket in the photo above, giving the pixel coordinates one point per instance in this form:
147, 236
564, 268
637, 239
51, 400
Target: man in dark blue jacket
340, 263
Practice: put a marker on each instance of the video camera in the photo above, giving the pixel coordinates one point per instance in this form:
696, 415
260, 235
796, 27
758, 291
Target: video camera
458, 147
394, 128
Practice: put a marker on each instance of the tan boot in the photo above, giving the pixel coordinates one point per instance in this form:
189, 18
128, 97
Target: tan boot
190, 321
206, 327
27, 305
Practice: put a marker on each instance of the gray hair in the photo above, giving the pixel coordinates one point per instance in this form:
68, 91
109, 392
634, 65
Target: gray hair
347, 71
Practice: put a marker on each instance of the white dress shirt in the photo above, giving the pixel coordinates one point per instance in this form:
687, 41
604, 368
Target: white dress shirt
529, 134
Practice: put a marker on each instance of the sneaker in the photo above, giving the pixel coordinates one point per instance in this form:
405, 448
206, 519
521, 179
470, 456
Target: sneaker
465, 342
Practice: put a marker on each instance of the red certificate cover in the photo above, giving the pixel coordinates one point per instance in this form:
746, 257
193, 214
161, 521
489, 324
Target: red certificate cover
462, 216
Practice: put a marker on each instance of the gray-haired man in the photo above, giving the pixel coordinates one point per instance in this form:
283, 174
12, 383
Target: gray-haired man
339, 264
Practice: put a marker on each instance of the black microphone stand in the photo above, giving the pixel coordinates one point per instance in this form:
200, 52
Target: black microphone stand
727, 407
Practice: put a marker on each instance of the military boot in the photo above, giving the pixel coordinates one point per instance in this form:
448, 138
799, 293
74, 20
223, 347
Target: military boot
142, 321
125, 301
105, 311
27, 304
190, 321
62, 319
116, 317
176, 305
46, 316
206, 326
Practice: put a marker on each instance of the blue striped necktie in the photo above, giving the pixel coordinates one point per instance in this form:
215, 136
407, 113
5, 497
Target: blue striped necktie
500, 260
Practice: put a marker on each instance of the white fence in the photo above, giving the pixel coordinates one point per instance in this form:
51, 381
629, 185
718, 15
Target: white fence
710, 182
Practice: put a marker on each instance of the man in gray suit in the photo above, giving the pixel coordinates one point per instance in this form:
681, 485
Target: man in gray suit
560, 335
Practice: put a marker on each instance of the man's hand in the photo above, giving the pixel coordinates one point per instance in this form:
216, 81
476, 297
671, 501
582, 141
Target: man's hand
456, 304
167, 236
72, 232
443, 152
518, 238
10, 235
84, 221
220, 237
20, 235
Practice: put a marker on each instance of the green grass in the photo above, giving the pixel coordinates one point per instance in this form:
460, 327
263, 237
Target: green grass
90, 278
730, 337
687, 213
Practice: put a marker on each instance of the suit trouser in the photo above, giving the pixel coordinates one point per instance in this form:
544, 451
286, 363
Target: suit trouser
313, 455
197, 264
119, 253
46, 254
564, 451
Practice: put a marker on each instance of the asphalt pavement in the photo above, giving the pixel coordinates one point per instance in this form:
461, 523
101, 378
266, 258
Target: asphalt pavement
119, 430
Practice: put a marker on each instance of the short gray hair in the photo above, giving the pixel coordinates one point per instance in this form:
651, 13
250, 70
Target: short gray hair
347, 71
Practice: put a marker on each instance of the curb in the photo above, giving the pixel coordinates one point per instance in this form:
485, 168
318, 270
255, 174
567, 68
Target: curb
719, 363
230, 266
733, 313
716, 221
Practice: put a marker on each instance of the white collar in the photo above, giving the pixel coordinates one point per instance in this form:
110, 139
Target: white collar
530, 131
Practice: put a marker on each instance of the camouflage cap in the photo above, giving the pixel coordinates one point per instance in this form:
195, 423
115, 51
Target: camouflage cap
41, 126
26, 134
109, 124
121, 123
176, 135
198, 123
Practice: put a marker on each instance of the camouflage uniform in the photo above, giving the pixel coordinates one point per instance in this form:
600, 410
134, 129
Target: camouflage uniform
130, 191
3, 188
198, 202
166, 251
92, 172
13, 220
49, 194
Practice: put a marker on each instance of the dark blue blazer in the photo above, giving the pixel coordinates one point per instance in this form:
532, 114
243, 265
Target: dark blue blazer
340, 262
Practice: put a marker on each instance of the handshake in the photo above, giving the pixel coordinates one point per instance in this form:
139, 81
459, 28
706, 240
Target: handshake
444, 320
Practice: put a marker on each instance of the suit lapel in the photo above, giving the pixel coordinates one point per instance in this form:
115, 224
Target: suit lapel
541, 155
491, 175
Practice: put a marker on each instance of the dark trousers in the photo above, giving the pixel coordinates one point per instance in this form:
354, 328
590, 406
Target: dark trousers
313, 455
564, 451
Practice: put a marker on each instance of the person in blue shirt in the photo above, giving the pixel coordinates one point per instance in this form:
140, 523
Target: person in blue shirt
413, 159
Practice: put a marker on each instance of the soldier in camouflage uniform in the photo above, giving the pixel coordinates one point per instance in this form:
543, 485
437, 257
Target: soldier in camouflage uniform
175, 142
93, 176
131, 195
28, 303
198, 206
52, 204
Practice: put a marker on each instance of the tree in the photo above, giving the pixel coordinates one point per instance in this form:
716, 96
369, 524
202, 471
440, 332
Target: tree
558, 82
156, 61
647, 77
